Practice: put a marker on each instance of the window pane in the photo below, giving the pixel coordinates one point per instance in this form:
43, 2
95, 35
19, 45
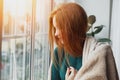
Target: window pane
15, 59
16, 40
19, 62
41, 54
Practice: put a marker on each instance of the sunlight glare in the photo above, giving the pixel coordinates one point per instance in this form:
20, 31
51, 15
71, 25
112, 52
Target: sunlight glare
15, 7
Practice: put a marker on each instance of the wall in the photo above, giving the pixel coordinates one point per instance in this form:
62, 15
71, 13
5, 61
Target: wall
101, 9
115, 32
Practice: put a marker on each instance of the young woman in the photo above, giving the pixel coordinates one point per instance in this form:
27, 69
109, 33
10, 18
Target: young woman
77, 57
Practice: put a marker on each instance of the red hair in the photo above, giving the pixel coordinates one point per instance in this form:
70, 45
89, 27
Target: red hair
71, 19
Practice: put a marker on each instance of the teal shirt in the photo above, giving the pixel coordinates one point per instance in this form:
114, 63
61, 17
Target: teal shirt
59, 72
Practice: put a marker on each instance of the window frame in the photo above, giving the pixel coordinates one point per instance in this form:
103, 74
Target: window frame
1, 21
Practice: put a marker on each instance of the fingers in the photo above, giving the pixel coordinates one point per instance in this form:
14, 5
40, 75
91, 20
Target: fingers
67, 73
70, 73
73, 70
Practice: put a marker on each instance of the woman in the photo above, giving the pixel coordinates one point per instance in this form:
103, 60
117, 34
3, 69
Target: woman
77, 57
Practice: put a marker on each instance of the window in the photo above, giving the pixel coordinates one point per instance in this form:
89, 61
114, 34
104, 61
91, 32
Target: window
25, 49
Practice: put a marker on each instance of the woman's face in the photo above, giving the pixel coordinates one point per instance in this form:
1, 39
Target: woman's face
57, 30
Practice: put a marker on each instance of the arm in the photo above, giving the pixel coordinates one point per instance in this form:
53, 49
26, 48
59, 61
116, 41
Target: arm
53, 73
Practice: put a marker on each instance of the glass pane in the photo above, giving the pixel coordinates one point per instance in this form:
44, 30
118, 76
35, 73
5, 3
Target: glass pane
41, 57
41, 54
15, 59
17, 17
16, 40
18, 61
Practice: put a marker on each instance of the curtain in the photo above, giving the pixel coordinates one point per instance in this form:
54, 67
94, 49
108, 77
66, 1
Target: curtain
115, 31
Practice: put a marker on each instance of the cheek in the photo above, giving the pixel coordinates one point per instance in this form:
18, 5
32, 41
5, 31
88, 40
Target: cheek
61, 39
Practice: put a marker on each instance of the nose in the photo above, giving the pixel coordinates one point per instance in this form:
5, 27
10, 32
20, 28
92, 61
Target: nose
56, 33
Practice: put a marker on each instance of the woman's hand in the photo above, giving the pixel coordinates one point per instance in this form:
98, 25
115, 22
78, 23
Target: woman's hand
70, 73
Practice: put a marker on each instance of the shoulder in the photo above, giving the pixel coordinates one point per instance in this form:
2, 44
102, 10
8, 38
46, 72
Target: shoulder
92, 42
103, 49
92, 45
103, 46
58, 53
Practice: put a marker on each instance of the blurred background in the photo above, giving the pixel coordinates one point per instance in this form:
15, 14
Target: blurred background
24, 47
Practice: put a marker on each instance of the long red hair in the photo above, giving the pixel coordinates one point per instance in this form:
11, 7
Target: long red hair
71, 19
